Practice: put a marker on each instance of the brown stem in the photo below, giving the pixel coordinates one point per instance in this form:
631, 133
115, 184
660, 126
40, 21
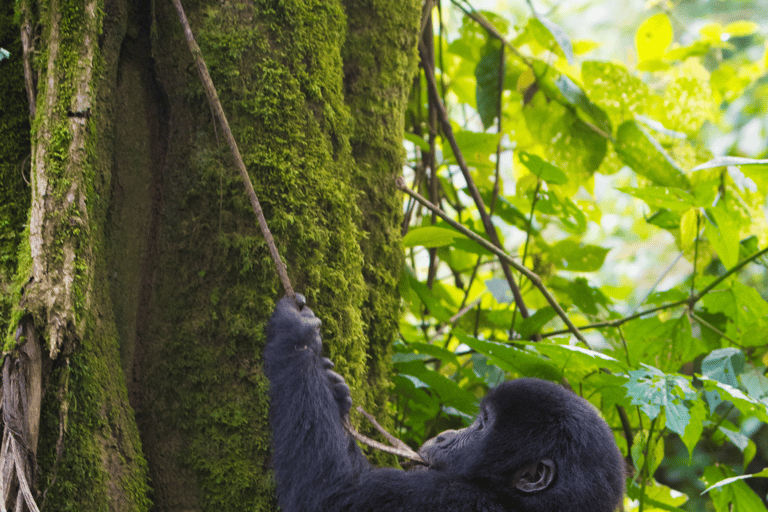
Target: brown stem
490, 229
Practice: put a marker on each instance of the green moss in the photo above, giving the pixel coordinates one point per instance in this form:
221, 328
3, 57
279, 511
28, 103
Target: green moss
97, 419
376, 85
14, 163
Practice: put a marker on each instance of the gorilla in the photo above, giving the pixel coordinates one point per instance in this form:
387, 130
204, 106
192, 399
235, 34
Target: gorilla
534, 446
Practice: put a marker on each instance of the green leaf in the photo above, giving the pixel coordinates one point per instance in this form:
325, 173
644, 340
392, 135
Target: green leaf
656, 454
449, 392
695, 426
412, 289
476, 148
576, 96
429, 350
487, 79
534, 323
659, 496
746, 404
418, 141
722, 231
583, 296
563, 210
651, 389
697, 49
741, 28
491, 374
541, 169
431, 236
619, 93
729, 491
639, 150
576, 257
578, 359
511, 358
559, 35
724, 365
664, 219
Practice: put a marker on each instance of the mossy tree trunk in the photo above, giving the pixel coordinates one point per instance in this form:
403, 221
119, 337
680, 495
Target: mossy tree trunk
142, 282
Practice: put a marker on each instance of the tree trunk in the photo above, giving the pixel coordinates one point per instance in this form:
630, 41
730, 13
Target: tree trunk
143, 270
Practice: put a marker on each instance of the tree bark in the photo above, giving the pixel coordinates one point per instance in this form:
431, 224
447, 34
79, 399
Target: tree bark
143, 268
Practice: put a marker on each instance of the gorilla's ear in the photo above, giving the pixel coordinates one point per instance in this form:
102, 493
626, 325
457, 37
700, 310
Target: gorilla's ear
535, 477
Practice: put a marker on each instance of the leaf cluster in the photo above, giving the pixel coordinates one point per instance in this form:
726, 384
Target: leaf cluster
644, 251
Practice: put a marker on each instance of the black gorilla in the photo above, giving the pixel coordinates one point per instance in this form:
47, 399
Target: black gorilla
533, 447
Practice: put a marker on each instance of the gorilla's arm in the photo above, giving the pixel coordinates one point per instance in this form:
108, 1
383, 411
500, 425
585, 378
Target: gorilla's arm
312, 454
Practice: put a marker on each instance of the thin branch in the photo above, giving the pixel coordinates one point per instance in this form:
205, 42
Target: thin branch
213, 99
725, 276
490, 229
714, 329
487, 25
503, 256
397, 443
407, 454
690, 302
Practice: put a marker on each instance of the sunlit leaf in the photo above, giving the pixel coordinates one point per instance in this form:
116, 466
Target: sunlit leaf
653, 37
638, 149
577, 257
741, 28
722, 231
560, 36
544, 170
431, 236
670, 198
418, 141
746, 404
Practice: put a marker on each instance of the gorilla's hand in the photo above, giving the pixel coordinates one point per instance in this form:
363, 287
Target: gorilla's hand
339, 387
296, 323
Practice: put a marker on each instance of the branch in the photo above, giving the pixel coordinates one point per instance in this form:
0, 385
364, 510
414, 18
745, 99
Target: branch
503, 256
392, 439
490, 229
213, 99
400, 452
690, 302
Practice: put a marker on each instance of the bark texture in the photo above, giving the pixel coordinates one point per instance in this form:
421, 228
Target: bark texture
144, 271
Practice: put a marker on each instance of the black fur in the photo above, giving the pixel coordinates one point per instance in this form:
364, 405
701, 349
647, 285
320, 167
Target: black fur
534, 447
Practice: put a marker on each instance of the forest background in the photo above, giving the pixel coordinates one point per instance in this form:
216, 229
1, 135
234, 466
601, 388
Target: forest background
592, 211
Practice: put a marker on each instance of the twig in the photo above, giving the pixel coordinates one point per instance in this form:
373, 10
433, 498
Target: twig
397, 443
690, 302
408, 454
213, 99
503, 256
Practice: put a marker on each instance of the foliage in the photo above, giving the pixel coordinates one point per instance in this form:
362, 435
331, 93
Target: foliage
600, 177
